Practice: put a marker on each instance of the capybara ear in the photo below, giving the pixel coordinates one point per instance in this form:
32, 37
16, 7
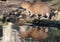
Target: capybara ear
46, 29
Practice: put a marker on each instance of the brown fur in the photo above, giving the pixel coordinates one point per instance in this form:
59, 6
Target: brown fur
24, 34
36, 8
35, 33
38, 34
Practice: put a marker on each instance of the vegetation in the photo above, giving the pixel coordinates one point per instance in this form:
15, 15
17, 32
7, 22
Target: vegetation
59, 8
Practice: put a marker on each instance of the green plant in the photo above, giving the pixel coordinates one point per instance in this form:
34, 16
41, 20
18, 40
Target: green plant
59, 8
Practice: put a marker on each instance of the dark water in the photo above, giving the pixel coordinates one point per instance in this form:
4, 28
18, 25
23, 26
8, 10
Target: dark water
1, 31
